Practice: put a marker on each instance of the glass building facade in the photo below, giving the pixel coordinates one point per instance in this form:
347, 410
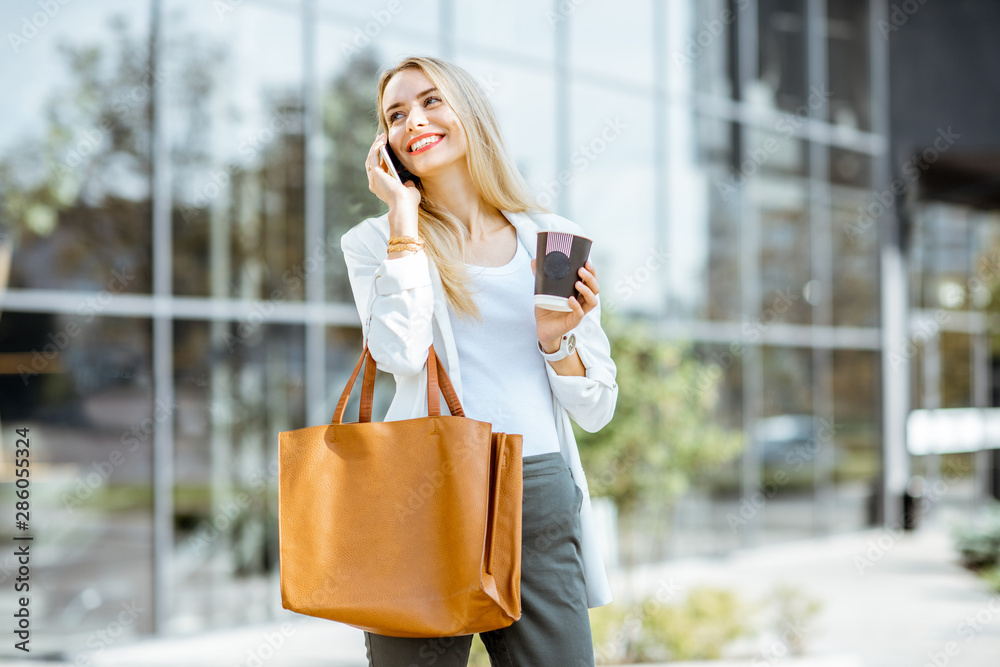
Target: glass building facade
176, 176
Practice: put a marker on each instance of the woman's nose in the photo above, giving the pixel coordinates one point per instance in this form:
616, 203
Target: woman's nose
416, 118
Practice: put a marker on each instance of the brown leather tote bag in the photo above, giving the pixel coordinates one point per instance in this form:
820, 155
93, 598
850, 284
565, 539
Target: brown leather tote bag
406, 528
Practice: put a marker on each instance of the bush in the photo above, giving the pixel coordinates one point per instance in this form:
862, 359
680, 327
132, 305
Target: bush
698, 628
978, 541
992, 578
794, 610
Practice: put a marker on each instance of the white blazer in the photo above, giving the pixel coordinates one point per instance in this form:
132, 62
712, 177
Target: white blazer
403, 310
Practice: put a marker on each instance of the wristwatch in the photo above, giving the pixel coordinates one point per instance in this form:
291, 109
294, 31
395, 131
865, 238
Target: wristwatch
566, 346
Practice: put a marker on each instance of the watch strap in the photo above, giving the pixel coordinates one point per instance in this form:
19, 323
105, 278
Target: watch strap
566, 346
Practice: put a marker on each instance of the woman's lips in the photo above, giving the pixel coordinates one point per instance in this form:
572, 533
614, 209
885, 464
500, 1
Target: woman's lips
438, 140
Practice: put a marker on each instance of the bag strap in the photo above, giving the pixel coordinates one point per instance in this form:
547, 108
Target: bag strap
454, 405
367, 390
437, 382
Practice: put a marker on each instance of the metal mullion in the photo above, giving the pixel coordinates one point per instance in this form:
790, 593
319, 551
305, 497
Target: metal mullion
661, 143
163, 380
752, 359
312, 129
446, 28
822, 261
893, 293
563, 119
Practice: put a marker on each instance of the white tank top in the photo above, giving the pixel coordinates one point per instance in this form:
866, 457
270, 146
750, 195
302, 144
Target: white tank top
504, 381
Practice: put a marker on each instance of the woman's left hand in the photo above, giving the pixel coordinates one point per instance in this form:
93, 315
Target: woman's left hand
553, 324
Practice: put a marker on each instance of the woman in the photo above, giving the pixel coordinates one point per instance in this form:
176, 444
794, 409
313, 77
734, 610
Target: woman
448, 265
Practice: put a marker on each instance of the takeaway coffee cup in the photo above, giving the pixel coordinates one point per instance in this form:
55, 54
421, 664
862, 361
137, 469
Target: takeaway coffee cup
558, 259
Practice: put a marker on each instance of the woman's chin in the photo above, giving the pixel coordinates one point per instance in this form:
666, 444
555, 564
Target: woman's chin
438, 168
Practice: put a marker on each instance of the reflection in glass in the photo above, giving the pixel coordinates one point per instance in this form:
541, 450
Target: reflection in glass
955, 350
700, 523
703, 223
785, 265
941, 256
855, 297
237, 385
781, 56
611, 181
848, 58
235, 133
523, 26
369, 21
788, 439
856, 399
528, 128
850, 168
348, 130
82, 387
74, 177
773, 151
615, 44
709, 46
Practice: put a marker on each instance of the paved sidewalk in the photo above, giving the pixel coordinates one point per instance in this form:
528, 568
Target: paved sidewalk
889, 600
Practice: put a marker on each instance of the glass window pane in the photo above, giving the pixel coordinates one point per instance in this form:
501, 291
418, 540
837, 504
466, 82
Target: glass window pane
617, 44
856, 285
785, 265
702, 514
371, 21
850, 168
942, 256
956, 369
781, 83
237, 385
235, 134
787, 438
528, 128
703, 219
611, 181
348, 132
857, 433
772, 151
75, 147
348, 71
984, 285
82, 387
848, 58
702, 35
524, 26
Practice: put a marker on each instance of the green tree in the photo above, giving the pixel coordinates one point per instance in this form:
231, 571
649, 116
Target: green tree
666, 431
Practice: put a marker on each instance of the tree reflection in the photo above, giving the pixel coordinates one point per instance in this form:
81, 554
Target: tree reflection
76, 198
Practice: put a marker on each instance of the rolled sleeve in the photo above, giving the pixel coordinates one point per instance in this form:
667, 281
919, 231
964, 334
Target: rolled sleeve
395, 300
589, 399
403, 273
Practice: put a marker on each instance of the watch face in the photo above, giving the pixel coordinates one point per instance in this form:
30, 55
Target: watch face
571, 343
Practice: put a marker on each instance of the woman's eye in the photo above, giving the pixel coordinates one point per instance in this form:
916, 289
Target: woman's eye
427, 101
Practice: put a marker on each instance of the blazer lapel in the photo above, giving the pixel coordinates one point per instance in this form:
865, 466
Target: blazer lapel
526, 228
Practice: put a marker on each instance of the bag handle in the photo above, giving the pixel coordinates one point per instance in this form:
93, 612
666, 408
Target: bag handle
437, 381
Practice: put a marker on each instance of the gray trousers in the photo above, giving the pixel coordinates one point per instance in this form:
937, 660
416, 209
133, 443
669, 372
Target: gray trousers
554, 628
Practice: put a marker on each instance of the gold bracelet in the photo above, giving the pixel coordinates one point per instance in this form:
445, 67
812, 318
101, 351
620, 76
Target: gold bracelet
393, 240
396, 247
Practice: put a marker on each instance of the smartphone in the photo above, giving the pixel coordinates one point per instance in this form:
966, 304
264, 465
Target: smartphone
395, 167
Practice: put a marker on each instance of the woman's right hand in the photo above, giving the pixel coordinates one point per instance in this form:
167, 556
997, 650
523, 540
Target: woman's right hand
403, 200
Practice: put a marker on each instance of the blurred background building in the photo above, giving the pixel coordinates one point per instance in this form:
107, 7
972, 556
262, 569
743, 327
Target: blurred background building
806, 191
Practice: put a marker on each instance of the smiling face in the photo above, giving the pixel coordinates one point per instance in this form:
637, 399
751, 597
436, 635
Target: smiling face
424, 131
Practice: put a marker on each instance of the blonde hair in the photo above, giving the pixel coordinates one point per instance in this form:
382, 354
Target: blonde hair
490, 165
